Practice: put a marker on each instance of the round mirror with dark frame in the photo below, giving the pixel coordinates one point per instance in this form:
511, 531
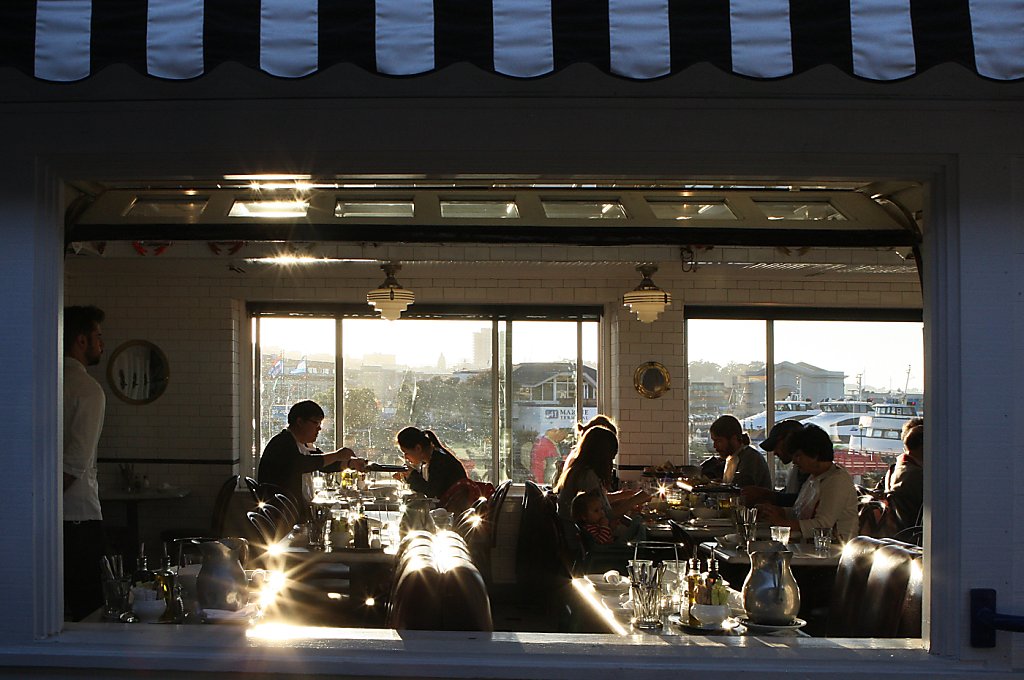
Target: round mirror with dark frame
138, 372
651, 379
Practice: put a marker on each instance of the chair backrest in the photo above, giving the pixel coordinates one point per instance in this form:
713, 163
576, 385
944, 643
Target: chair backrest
494, 509
254, 487
687, 546
886, 590
278, 519
221, 505
848, 589
265, 529
541, 560
283, 503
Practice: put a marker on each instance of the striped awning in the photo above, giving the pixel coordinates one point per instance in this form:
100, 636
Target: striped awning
884, 40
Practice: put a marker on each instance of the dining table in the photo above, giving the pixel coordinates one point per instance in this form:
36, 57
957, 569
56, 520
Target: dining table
814, 573
132, 499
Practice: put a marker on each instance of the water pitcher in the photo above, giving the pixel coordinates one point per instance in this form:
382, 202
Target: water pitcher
770, 593
221, 583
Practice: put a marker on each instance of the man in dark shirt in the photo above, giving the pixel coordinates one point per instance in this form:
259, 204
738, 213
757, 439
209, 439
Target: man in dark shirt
776, 444
292, 453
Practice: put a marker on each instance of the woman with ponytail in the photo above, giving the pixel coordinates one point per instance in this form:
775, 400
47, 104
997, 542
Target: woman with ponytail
435, 469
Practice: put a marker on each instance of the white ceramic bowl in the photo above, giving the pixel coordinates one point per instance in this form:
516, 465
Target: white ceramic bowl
148, 611
710, 615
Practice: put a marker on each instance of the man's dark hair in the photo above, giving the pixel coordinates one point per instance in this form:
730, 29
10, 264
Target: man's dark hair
813, 441
914, 439
309, 410
80, 320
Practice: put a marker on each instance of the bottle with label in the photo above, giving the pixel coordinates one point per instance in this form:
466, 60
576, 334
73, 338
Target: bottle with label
164, 582
693, 583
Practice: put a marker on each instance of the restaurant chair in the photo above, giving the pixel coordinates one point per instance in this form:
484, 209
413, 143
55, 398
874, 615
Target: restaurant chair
687, 547
278, 518
542, 561
285, 505
218, 517
254, 489
847, 597
264, 528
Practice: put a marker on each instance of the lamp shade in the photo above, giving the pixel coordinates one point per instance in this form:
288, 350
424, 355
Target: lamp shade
647, 301
390, 299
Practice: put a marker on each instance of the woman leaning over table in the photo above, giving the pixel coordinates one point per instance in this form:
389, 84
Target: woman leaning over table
435, 469
828, 499
589, 468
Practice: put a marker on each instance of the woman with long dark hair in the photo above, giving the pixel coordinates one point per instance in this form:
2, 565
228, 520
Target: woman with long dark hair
589, 468
434, 469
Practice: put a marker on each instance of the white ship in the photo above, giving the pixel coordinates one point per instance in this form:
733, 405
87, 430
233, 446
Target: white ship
879, 432
840, 418
784, 410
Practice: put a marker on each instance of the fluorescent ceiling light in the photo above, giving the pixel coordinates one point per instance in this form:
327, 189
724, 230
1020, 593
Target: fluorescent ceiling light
269, 209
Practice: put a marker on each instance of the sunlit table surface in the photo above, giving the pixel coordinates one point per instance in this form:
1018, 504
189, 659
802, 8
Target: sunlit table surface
804, 555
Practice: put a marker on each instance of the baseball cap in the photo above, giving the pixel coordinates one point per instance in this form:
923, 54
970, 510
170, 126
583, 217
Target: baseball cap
780, 430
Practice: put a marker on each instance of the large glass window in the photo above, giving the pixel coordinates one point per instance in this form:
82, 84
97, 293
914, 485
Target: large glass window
726, 375
438, 374
296, 362
858, 380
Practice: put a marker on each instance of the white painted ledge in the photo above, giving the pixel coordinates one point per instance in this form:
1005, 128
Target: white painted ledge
125, 650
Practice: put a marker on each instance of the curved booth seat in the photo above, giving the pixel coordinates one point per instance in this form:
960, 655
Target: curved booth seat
877, 590
437, 586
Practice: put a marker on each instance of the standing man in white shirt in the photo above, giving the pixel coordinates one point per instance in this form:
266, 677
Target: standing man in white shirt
84, 407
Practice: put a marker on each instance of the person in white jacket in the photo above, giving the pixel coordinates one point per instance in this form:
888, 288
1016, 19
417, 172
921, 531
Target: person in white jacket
828, 499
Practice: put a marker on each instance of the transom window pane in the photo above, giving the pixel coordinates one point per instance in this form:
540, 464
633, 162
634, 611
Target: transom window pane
269, 209
584, 210
800, 210
684, 210
178, 208
356, 209
487, 210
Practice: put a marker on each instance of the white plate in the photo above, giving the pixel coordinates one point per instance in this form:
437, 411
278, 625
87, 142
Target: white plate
796, 624
602, 586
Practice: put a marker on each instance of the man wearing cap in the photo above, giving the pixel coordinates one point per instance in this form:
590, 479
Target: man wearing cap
776, 444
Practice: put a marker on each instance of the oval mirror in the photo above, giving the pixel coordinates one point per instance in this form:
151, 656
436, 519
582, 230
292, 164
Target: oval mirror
652, 379
138, 372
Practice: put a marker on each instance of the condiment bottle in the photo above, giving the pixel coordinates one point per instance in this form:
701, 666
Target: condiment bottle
693, 582
142, 575
165, 583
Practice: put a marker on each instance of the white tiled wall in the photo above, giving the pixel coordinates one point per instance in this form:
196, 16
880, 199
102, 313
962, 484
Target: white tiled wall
192, 306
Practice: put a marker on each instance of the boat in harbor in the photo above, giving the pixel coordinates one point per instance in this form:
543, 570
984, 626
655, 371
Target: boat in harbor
787, 409
879, 432
840, 418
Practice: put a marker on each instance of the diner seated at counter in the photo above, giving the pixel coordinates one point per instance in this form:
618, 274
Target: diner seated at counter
292, 454
827, 500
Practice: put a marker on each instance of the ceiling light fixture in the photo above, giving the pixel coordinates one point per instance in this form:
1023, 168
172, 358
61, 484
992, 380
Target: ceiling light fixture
647, 301
389, 297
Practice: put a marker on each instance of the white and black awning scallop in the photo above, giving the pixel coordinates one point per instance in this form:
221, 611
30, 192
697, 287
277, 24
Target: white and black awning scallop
881, 40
